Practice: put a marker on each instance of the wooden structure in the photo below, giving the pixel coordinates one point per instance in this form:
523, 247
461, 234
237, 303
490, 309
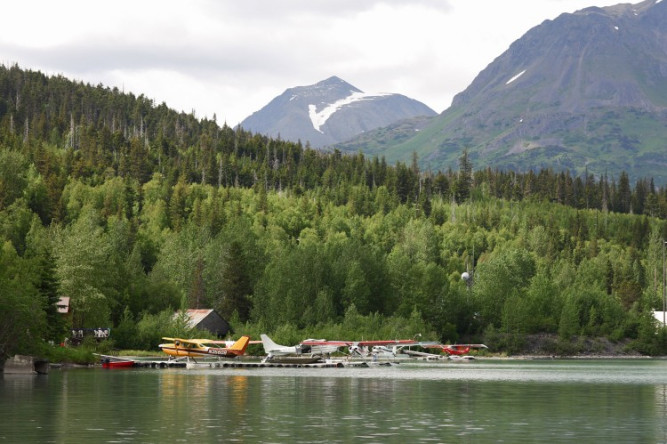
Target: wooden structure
207, 319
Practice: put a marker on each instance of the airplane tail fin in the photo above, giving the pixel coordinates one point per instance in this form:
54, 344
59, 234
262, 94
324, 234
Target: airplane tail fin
239, 346
268, 344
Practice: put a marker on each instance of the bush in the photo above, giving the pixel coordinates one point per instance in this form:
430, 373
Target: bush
566, 347
75, 355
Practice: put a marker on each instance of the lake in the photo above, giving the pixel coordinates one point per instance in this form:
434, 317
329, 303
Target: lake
482, 401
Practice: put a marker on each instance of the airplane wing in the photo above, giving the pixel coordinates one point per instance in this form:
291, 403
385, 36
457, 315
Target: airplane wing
360, 343
228, 343
212, 342
181, 340
324, 342
403, 342
437, 345
189, 341
196, 341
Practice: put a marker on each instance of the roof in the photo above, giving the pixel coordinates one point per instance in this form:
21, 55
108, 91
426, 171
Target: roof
63, 304
195, 316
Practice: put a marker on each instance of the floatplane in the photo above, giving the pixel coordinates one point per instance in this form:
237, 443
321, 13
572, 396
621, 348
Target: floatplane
199, 348
456, 349
454, 352
295, 354
397, 349
367, 350
314, 350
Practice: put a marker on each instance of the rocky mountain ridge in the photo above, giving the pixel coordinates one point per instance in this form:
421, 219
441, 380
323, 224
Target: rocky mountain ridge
586, 91
329, 112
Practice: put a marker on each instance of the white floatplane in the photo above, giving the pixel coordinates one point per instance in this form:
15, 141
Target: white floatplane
296, 354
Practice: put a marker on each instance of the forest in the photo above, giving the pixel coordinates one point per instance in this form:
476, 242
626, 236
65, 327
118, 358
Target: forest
133, 211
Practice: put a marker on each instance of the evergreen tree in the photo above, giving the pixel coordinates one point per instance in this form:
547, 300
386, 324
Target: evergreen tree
236, 284
464, 179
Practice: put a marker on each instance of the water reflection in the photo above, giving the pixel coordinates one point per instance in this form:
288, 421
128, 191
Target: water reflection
487, 401
201, 405
660, 393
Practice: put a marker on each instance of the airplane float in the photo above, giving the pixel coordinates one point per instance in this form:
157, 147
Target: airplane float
198, 348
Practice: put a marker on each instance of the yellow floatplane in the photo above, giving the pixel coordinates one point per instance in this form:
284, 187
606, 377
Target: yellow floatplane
199, 348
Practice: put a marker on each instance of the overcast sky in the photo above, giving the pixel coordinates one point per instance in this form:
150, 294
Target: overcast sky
231, 57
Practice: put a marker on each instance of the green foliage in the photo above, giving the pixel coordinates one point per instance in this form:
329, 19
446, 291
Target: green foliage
83, 255
357, 327
82, 355
569, 321
504, 275
13, 177
130, 208
22, 315
125, 334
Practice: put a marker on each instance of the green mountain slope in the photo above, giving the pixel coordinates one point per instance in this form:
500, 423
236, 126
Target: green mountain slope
586, 91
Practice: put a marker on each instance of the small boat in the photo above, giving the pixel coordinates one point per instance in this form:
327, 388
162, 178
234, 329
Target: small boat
116, 362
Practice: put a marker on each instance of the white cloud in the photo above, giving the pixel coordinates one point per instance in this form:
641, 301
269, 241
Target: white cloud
232, 57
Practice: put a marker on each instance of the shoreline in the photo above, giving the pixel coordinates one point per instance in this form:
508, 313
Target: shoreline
526, 357
536, 357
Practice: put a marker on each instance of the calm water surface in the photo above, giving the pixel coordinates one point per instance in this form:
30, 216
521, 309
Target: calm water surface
483, 401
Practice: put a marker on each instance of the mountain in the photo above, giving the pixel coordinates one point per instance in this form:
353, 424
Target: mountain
586, 91
329, 112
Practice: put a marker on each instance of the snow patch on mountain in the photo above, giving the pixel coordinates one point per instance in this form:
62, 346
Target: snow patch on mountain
515, 77
319, 118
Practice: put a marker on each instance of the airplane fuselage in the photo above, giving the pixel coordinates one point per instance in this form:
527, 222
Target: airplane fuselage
196, 352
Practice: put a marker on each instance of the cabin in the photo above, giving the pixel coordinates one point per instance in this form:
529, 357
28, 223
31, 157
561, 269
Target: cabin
207, 319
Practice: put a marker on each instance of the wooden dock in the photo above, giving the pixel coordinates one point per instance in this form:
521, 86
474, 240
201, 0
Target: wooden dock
159, 364
229, 364
241, 364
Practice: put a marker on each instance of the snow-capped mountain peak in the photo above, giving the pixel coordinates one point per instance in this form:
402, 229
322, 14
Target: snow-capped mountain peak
329, 112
